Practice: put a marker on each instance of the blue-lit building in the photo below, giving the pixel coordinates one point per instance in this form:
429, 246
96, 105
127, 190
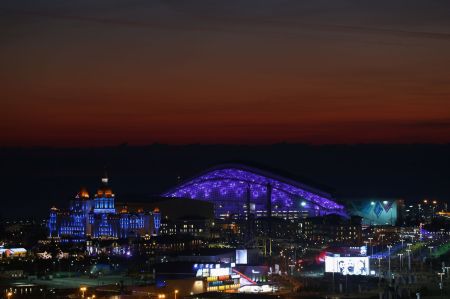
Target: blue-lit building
98, 218
237, 190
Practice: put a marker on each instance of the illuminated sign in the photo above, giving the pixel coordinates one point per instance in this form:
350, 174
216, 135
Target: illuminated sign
211, 270
219, 272
347, 265
241, 256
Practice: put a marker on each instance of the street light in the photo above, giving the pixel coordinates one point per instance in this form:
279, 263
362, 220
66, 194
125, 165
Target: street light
401, 261
379, 271
389, 271
9, 294
370, 244
83, 289
175, 294
441, 274
431, 263
409, 259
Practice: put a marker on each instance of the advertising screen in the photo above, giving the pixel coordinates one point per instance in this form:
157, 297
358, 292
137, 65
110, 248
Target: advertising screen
219, 272
375, 211
347, 265
241, 256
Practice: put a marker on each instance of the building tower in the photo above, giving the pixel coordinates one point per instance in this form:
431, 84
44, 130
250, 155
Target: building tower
104, 198
52, 223
79, 208
156, 221
105, 223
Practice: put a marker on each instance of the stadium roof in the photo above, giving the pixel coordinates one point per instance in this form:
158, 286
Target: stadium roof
235, 177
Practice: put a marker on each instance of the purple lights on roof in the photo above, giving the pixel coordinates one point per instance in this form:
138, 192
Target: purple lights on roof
227, 188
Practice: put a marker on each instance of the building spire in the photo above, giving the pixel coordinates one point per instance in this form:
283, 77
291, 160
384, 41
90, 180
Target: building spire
105, 178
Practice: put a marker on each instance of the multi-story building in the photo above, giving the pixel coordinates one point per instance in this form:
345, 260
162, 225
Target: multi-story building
332, 228
169, 244
98, 218
193, 226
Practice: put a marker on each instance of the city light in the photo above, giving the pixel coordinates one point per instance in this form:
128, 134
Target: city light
441, 282
353, 247
83, 290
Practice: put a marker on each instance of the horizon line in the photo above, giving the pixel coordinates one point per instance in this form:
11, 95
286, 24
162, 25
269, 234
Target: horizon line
125, 144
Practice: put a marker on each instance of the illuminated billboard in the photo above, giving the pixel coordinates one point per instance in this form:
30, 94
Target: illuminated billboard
208, 270
241, 256
374, 211
347, 265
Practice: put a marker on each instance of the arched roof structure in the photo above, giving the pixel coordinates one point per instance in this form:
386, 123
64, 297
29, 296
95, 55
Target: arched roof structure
231, 186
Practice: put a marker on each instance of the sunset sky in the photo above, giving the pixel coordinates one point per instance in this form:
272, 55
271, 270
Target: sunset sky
104, 72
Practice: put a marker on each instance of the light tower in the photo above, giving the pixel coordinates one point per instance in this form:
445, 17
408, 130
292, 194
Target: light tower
409, 259
389, 263
431, 262
401, 261
441, 283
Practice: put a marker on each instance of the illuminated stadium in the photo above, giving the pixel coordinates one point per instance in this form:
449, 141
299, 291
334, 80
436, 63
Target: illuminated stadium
237, 189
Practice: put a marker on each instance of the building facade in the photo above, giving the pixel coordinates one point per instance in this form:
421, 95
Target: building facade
332, 228
99, 218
